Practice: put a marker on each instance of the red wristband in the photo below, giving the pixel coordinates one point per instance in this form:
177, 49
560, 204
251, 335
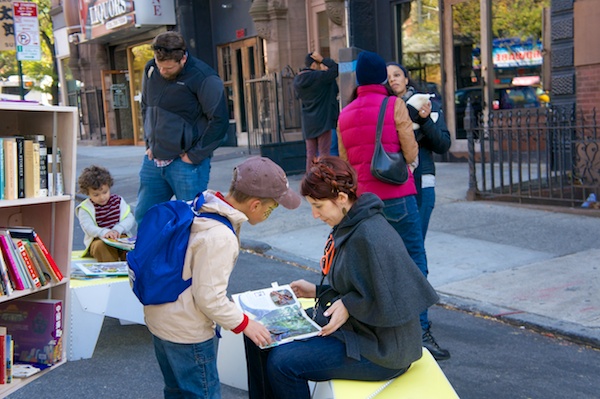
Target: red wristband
242, 326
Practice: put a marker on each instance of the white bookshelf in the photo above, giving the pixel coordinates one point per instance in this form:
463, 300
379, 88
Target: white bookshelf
51, 217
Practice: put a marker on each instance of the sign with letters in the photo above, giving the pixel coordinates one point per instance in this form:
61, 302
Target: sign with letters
7, 28
27, 31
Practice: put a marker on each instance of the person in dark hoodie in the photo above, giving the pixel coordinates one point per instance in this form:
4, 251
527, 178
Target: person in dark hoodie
317, 89
371, 329
185, 117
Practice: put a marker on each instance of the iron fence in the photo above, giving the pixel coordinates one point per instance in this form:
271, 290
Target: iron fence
541, 155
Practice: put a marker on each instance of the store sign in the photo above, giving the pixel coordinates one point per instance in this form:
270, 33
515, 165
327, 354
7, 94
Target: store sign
7, 28
512, 53
101, 18
27, 31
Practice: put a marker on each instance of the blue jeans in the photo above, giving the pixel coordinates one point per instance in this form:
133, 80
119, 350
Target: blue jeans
403, 215
284, 371
189, 370
158, 185
426, 203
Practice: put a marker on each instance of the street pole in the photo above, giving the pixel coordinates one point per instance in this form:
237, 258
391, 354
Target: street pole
21, 89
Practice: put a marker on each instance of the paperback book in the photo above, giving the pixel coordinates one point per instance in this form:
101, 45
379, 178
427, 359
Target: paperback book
279, 310
124, 243
102, 269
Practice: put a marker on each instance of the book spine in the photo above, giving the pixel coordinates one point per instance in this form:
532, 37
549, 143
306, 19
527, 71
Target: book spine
3, 333
42, 260
10, 168
11, 264
6, 283
39, 268
49, 257
10, 352
20, 167
43, 166
28, 264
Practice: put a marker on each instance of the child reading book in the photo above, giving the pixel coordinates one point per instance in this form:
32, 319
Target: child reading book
102, 215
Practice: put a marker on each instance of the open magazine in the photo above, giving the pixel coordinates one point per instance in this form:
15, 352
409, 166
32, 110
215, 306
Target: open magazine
102, 269
280, 311
125, 243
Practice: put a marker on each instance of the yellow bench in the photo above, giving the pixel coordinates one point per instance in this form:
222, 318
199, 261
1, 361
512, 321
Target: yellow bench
423, 380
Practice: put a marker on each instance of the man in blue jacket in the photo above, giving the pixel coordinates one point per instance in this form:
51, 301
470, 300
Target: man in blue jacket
317, 90
185, 118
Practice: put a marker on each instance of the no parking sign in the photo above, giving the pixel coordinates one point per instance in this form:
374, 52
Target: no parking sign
27, 31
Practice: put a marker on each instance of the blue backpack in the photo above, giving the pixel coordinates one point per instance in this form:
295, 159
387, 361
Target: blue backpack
156, 263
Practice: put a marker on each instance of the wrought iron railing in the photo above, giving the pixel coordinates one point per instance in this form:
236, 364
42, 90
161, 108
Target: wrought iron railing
540, 155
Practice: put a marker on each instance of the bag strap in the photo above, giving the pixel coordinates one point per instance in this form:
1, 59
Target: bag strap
380, 120
218, 217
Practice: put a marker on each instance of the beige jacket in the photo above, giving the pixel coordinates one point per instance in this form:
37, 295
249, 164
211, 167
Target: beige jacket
211, 255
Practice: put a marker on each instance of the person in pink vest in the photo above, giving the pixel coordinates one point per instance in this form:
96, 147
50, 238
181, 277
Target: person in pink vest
357, 127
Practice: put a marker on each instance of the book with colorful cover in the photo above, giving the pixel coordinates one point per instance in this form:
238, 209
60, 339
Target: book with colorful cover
36, 327
279, 310
102, 269
124, 243
14, 270
30, 234
29, 266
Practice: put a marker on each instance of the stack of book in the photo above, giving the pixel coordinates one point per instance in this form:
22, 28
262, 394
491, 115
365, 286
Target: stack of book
25, 262
24, 168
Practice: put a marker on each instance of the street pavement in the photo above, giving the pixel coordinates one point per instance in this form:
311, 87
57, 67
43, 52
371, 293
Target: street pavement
534, 267
528, 265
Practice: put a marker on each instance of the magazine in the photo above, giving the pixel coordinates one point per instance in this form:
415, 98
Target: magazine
102, 269
124, 243
280, 311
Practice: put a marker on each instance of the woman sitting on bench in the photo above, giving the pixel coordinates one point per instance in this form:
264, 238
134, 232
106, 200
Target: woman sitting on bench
370, 309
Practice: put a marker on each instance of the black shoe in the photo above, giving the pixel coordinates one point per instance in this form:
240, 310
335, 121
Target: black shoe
433, 347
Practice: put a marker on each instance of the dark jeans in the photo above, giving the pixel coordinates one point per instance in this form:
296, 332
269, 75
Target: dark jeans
426, 203
403, 215
284, 371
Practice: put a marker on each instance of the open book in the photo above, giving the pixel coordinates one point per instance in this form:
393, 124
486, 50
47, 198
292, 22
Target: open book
125, 243
280, 311
102, 269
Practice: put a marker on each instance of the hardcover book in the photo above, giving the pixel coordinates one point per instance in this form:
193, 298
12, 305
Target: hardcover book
29, 234
11, 264
279, 310
32, 168
10, 168
20, 166
36, 327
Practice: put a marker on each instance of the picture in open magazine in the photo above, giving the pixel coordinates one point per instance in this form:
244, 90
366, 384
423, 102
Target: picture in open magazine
279, 310
124, 243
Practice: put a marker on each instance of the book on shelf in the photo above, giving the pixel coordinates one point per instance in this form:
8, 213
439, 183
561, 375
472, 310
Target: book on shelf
26, 250
36, 279
29, 233
124, 243
10, 168
10, 353
11, 264
26, 276
20, 166
31, 168
102, 269
278, 309
55, 177
40, 139
36, 327
3, 332
7, 286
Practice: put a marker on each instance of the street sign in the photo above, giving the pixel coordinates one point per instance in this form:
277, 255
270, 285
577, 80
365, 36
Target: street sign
27, 31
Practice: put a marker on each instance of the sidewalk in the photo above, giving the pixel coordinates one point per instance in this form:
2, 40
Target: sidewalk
527, 265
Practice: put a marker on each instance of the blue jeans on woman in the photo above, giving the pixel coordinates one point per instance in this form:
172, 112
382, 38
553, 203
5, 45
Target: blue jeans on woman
159, 184
189, 370
426, 203
403, 215
284, 371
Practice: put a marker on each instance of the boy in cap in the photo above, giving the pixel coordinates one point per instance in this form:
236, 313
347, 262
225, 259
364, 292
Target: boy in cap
184, 331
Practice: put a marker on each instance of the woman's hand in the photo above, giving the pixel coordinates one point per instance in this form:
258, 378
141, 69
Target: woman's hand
304, 289
425, 110
258, 333
339, 315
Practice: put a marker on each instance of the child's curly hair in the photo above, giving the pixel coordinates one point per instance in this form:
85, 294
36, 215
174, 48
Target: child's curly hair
93, 177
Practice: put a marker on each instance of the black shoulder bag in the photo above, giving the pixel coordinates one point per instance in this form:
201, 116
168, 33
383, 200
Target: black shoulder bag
389, 167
